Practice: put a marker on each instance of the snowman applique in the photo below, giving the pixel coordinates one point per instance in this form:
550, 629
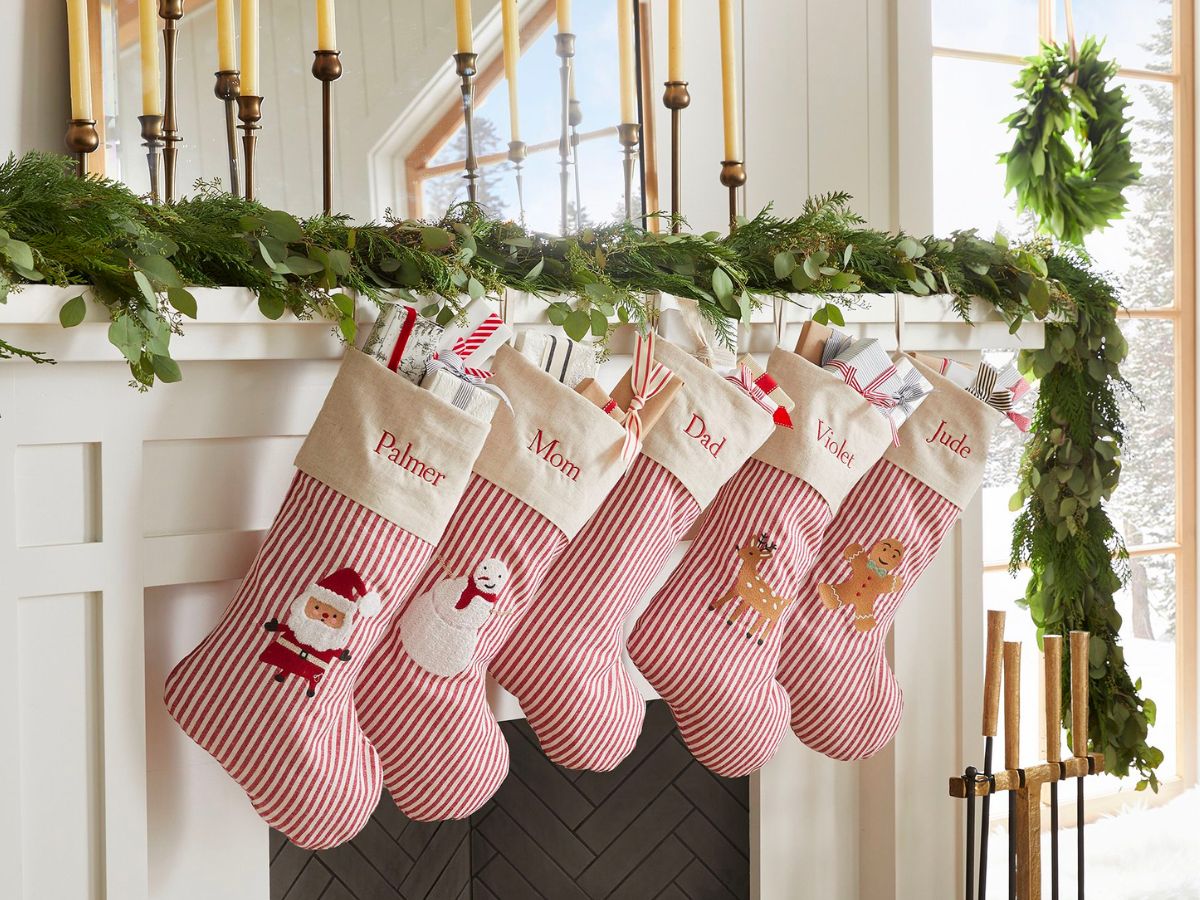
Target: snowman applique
440, 627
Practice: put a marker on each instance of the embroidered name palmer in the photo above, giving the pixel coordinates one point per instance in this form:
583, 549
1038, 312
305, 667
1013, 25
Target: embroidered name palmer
390, 450
548, 450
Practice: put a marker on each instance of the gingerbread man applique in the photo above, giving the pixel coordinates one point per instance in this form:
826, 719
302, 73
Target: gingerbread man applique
870, 577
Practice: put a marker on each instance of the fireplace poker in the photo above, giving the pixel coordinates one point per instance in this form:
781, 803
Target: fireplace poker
969, 777
1079, 734
991, 716
1052, 643
1012, 745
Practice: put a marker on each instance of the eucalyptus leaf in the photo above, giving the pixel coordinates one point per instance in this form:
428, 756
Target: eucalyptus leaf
72, 312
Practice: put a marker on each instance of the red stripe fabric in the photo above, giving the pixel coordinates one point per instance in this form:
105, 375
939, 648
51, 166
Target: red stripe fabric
718, 679
845, 700
564, 664
303, 762
442, 752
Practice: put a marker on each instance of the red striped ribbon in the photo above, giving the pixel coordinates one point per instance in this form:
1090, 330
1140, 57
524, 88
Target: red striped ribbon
759, 389
648, 378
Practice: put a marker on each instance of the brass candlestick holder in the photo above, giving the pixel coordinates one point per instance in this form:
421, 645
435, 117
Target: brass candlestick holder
676, 98
171, 11
630, 135
564, 48
464, 66
517, 153
82, 139
327, 68
733, 176
250, 112
574, 119
228, 87
152, 132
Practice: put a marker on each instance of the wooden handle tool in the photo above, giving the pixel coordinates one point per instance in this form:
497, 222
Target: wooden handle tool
1080, 641
1052, 643
991, 672
1012, 704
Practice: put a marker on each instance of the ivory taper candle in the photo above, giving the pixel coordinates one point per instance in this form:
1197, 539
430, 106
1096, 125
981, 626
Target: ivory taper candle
462, 25
148, 37
563, 9
250, 48
512, 55
80, 56
675, 41
729, 96
326, 26
626, 62
226, 54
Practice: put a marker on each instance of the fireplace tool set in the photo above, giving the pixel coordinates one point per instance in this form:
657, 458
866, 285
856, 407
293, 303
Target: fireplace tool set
1023, 784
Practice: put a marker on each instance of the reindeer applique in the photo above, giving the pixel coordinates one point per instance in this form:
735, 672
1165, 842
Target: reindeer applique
752, 592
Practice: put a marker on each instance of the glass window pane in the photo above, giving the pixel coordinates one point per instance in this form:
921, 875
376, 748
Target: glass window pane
970, 99
1139, 249
1005, 26
1000, 477
1143, 506
1137, 33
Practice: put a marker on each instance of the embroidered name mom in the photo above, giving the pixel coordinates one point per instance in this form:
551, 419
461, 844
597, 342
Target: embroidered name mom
390, 450
548, 450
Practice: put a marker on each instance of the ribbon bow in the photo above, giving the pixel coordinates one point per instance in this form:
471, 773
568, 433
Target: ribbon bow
836, 344
1000, 389
450, 362
466, 346
647, 379
759, 390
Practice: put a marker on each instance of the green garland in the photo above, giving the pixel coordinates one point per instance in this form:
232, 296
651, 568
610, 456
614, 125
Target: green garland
1069, 100
141, 259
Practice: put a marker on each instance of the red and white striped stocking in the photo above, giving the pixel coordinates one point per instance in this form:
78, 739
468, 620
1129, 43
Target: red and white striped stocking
268, 692
564, 663
845, 700
547, 465
709, 640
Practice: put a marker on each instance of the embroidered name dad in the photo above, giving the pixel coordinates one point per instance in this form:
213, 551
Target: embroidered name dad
697, 429
826, 436
405, 459
548, 450
955, 444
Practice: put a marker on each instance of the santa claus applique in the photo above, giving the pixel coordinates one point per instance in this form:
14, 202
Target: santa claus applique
318, 627
441, 627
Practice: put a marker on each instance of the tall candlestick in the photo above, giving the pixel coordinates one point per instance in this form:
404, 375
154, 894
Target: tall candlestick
465, 68
462, 26
171, 11
628, 73
250, 48
81, 63
675, 41
326, 26
148, 36
226, 55
564, 46
327, 68
733, 140
227, 89
563, 9
512, 55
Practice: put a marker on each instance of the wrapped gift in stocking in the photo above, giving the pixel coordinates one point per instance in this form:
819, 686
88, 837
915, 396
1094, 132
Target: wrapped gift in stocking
547, 465
269, 692
709, 640
845, 700
564, 664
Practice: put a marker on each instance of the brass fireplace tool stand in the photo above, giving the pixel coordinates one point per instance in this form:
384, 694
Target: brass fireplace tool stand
1024, 783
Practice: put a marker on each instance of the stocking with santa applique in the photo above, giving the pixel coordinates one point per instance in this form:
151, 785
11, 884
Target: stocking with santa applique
268, 692
549, 462
845, 701
565, 664
709, 640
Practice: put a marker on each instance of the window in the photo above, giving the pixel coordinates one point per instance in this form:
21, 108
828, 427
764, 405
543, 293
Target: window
977, 55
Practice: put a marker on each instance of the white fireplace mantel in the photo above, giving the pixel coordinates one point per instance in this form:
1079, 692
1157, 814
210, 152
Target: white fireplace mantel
128, 517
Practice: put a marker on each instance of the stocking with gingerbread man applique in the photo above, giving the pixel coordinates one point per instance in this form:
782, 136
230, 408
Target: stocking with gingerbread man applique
845, 700
268, 693
709, 640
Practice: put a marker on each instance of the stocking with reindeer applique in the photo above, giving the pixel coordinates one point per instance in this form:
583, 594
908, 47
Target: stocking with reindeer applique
709, 640
564, 664
268, 692
845, 701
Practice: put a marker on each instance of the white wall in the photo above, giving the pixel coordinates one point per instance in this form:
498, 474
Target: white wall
34, 92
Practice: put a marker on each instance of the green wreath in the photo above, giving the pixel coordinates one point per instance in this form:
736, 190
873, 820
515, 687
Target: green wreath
1069, 103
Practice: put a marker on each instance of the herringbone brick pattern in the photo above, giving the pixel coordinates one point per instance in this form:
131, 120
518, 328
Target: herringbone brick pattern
659, 826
